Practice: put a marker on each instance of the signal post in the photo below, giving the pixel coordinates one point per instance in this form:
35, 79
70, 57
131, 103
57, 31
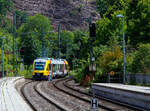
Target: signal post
92, 66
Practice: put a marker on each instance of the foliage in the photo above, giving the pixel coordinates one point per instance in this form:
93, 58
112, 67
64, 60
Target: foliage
78, 49
31, 34
99, 50
110, 60
21, 17
5, 6
67, 44
7, 44
141, 59
107, 7
82, 72
138, 17
26, 71
108, 29
103, 31
81, 39
99, 76
8, 41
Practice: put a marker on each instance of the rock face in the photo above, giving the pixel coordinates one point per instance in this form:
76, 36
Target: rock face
70, 14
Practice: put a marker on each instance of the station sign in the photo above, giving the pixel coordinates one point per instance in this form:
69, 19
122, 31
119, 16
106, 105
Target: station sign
94, 104
112, 73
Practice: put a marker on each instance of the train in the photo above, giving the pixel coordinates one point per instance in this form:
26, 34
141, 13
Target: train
45, 67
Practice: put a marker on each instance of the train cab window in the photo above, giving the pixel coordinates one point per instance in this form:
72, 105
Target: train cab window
39, 65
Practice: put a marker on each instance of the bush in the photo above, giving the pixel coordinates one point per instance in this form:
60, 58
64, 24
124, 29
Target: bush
141, 60
99, 76
110, 60
81, 73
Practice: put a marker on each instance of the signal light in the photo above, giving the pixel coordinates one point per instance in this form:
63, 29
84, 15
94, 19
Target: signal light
22, 51
93, 30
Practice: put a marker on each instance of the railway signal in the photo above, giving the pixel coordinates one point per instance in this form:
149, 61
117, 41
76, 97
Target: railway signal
22, 52
92, 28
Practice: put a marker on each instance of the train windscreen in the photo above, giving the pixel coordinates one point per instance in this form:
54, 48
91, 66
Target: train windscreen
39, 65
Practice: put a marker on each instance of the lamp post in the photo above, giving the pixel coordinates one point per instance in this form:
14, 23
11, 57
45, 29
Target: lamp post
124, 72
3, 57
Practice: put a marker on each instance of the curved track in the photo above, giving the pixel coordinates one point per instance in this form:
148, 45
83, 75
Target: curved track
59, 95
36, 100
103, 102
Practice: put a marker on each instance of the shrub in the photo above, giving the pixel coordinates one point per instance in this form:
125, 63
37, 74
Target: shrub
110, 60
141, 60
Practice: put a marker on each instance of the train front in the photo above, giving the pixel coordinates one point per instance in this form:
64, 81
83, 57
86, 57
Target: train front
39, 69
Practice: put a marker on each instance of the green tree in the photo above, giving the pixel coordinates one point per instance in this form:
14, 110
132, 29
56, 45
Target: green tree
66, 44
7, 43
141, 59
5, 6
108, 7
109, 28
21, 17
110, 60
31, 36
81, 39
138, 17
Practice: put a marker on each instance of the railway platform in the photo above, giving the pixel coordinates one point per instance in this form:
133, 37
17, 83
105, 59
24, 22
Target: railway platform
136, 96
10, 99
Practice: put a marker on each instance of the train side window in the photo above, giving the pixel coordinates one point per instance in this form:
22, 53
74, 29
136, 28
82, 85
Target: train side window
59, 67
54, 67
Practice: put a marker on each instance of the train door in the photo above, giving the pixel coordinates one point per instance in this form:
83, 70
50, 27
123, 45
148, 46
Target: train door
63, 69
54, 68
47, 70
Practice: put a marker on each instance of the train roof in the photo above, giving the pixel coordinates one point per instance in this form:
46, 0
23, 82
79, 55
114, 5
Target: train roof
53, 61
58, 61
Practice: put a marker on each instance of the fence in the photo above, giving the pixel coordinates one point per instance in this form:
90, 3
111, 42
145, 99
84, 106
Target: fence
130, 78
138, 78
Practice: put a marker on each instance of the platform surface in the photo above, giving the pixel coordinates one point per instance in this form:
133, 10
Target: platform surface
138, 89
10, 99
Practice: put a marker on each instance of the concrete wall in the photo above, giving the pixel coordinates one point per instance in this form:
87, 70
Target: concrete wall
138, 78
133, 98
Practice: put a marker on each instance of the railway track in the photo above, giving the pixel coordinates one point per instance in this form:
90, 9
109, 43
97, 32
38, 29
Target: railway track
37, 100
62, 87
34, 88
59, 95
72, 103
103, 102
